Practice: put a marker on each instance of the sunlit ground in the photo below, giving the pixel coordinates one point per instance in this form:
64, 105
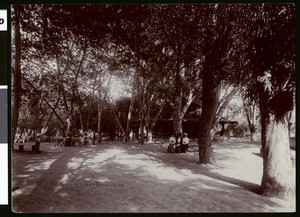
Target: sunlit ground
124, 177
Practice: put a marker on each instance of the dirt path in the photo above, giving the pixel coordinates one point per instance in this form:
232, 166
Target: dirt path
131, 178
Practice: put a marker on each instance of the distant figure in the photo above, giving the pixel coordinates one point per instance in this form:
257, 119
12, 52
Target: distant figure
131, 136
36, 147
185, 143
172, 144
84, 140
150, 137
68, 140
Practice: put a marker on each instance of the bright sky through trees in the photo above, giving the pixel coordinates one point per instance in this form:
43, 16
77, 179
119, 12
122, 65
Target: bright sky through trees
119, 88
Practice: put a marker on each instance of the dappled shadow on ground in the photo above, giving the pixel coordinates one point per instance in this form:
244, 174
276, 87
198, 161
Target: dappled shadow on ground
237, 145
189, 162
128, 178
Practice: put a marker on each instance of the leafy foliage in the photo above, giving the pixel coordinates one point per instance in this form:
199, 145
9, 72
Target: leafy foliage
166, 45
272, 55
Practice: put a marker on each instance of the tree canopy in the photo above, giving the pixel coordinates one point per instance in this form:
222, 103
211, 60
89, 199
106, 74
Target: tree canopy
171, 56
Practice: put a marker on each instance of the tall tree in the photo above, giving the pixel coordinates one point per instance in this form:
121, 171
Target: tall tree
272, 62
175, 30
17, 73
225, 99
220, 48
250, 108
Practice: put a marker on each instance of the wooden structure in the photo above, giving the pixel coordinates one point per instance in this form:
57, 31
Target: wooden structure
223, 121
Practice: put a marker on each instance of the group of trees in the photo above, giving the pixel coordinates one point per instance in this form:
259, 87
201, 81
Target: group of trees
64, 57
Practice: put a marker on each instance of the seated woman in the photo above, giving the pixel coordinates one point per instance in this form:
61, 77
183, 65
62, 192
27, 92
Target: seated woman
172, 144
185, 143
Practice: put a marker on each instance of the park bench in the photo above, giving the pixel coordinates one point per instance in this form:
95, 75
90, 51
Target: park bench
21, 146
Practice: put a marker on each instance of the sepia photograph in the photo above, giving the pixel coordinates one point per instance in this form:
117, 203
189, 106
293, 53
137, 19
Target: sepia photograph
153, 108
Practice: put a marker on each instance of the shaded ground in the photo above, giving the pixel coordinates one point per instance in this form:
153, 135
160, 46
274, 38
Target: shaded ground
116, 177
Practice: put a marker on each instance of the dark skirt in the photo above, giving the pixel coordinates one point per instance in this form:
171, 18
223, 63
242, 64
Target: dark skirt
171, 148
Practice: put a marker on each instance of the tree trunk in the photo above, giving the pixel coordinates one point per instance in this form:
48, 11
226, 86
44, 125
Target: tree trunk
250, 110
99, 138
129, 115
81, 120
74, 88
220, 110
142, 127
143, 107
210, 100
177, 114
91, 104
154, 120
290, 114
55, 106
100, 105
38, 135
39, 112
189, 101
17, 75
277, 177
251, 136
224, 103
264, 118
177, 125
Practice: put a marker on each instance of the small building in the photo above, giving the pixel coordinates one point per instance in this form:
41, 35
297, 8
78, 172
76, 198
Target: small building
223, 122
